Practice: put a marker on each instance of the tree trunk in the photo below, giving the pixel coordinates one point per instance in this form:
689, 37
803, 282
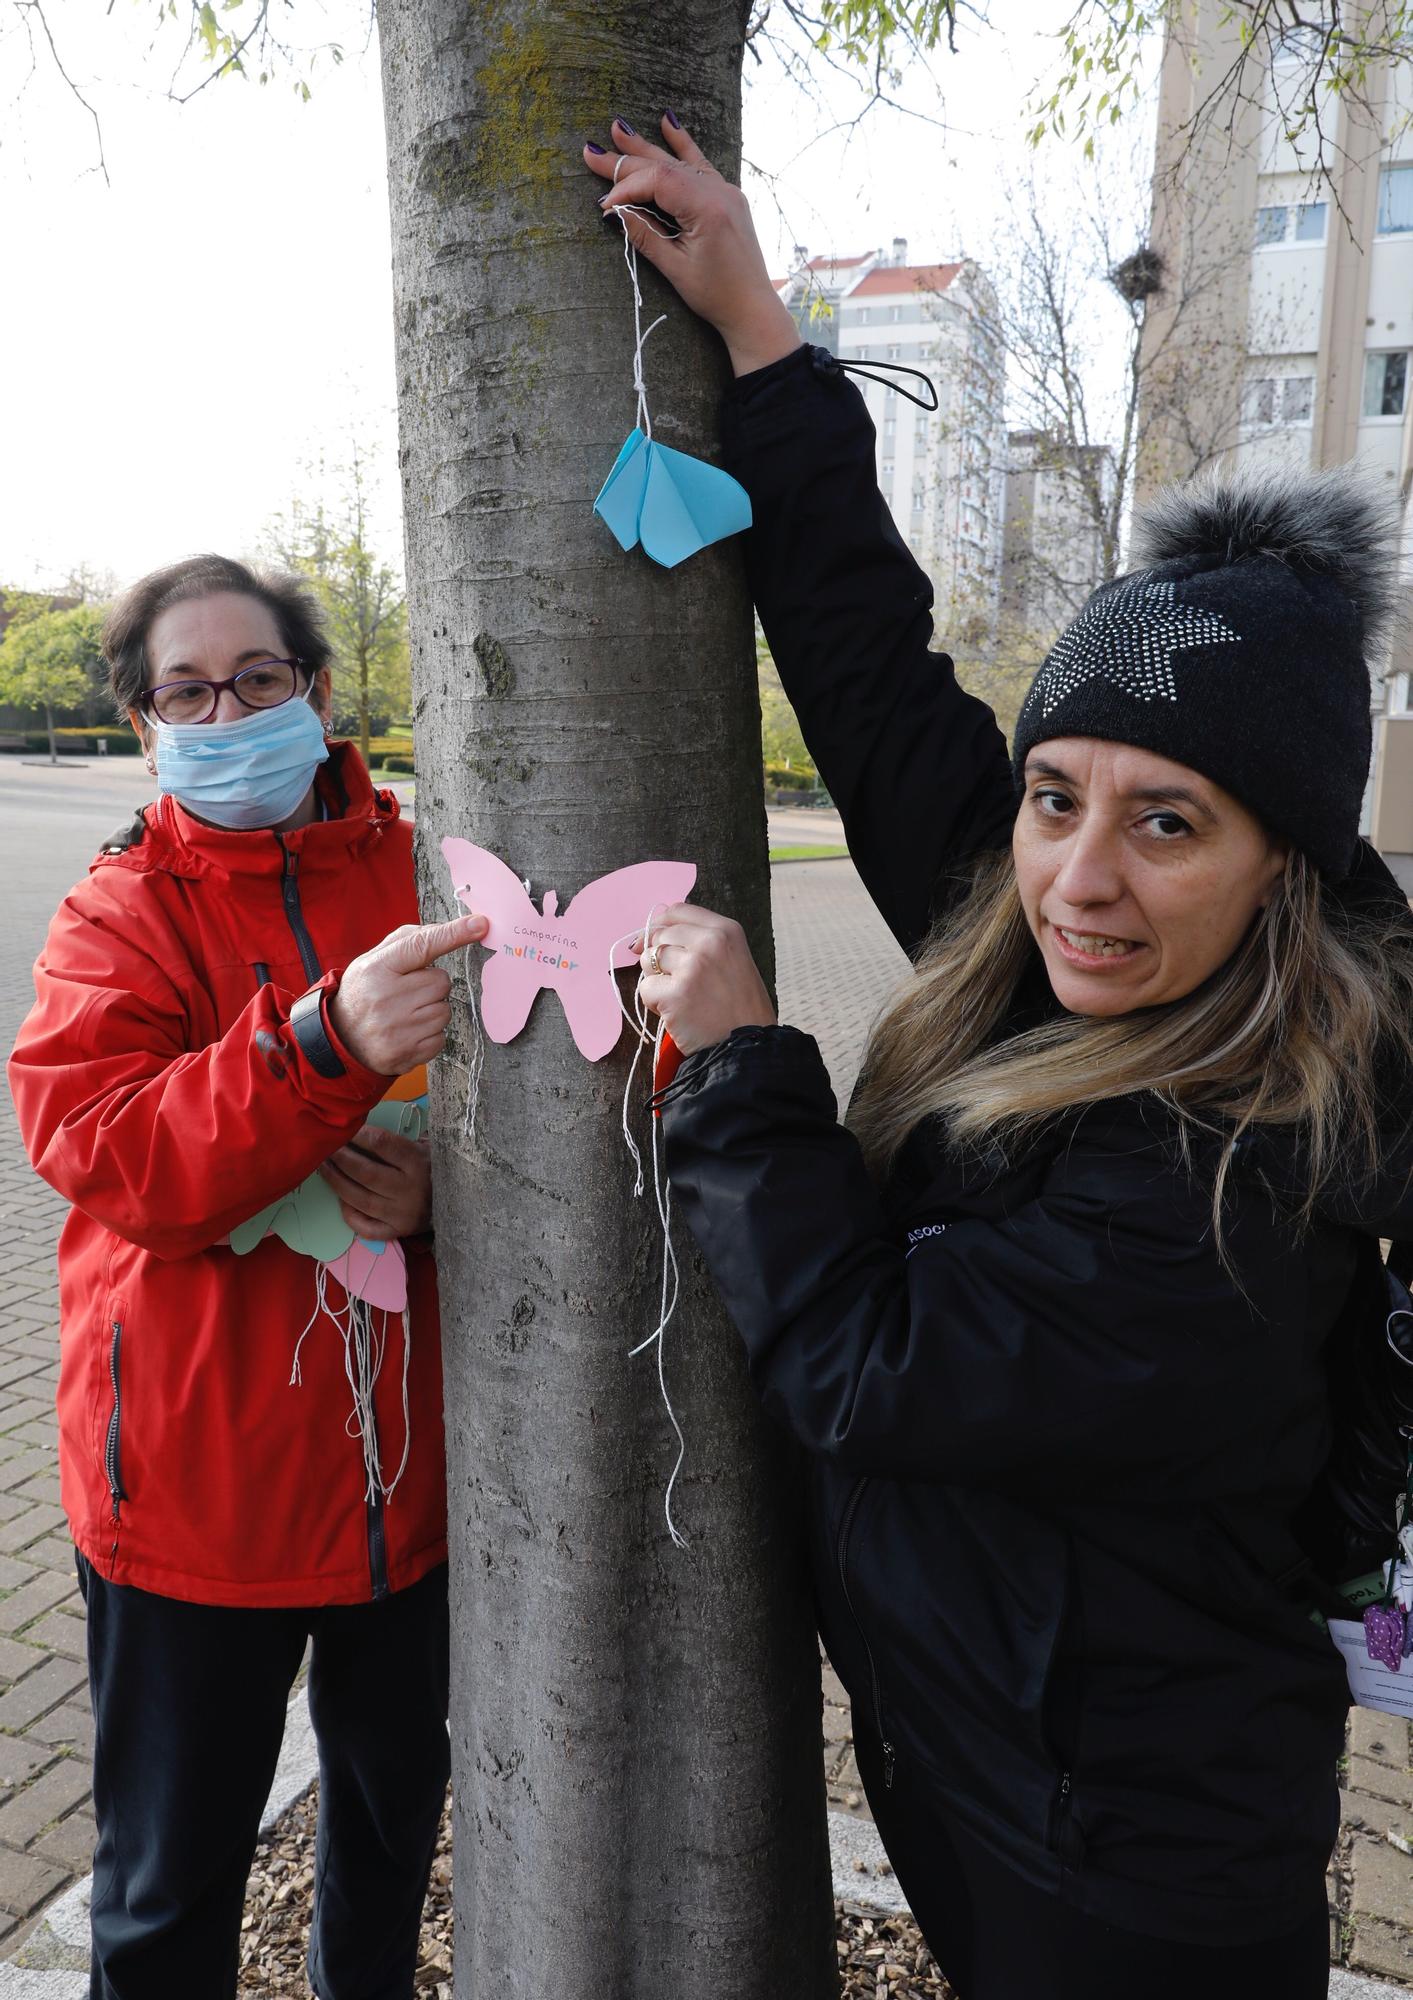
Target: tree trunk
635, 1730
53, 739
364, 735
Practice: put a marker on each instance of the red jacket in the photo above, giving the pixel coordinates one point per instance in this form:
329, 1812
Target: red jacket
162, 1091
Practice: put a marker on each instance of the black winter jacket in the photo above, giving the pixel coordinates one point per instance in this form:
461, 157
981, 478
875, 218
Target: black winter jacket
1056, 1448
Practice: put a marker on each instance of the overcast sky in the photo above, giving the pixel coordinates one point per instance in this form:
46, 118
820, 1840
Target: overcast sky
177, 344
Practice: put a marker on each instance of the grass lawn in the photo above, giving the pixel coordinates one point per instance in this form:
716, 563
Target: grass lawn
808, 853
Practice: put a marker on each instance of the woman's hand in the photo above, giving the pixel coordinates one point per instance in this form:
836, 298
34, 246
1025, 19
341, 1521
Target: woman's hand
392, 1009
698, 974
715, 263
383, 1181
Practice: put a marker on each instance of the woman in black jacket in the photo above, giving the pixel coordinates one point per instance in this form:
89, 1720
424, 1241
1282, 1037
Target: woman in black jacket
1054, 1314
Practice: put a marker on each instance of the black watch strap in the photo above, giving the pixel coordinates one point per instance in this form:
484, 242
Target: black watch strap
306, 1020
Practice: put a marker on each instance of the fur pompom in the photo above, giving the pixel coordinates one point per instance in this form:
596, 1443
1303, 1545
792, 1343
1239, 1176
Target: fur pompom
1336, 523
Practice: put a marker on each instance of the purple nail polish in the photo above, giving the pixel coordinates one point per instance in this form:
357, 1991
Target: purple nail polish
624, 126
673, 120
600, 150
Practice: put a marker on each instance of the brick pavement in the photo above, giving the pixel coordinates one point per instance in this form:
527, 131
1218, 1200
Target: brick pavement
835, 966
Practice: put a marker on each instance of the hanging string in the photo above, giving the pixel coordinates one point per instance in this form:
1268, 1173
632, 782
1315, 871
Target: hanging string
894, 368
645, 1036
630, 258
364, 1349
478, 1056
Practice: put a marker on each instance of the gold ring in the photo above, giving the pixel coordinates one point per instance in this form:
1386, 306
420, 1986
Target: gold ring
655, 961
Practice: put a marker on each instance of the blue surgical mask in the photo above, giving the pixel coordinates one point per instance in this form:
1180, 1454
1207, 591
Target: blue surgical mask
243, 774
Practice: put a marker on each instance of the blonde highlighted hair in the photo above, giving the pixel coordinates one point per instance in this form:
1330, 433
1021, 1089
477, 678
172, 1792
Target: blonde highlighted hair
1291, 1031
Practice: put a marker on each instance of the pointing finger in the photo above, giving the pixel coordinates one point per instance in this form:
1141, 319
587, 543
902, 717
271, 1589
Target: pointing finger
421, 945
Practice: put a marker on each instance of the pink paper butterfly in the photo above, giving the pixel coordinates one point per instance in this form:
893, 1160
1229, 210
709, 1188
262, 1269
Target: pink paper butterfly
566, 950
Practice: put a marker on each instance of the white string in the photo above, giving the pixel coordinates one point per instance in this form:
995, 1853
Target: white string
645, 1037
630, 258
364, 1349
478, 1057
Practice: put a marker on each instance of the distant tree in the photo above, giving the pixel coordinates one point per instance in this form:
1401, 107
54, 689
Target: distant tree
362, 596
780, 738
48, 659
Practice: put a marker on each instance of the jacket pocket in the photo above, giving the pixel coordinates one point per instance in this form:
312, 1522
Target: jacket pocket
112, 1443
880, 1719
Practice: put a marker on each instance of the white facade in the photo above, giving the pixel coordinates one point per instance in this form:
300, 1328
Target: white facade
1314, 292
942, 472
1054, 553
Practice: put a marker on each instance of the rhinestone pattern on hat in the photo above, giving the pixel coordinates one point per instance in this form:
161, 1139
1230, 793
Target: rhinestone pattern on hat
1128, 636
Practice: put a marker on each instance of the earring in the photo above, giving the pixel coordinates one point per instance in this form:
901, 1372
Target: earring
151, 762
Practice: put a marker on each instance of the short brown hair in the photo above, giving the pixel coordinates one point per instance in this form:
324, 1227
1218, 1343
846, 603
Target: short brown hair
291, 601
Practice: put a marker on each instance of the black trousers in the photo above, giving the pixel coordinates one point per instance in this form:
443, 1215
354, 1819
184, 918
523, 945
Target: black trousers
189, 1705
998, 1937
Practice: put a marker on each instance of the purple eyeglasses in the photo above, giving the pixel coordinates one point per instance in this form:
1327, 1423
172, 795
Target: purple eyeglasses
263, 684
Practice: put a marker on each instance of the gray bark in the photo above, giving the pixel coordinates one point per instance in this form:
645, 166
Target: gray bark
637, 1772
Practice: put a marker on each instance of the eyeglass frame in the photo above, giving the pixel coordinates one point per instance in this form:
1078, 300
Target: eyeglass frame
149, 714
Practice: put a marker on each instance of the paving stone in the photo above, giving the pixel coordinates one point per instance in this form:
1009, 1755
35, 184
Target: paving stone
20, 1759
1381, 1781
19, 1530
69, 1727
1381, 1947
42, 1489
18, 1657
49, 1684
70, 1844
64, 1785
1383, 1738
52, 1552
1381, 1881
13, 1572
56, 1632
26, 1881
43, 1590
41, 1431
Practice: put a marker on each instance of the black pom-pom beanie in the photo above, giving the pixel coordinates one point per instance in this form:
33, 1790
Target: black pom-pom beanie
1241, 649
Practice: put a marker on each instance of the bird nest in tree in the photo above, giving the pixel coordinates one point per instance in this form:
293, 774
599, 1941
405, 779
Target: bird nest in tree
1138, 277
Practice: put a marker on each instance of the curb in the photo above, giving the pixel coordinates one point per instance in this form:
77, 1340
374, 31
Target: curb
52, 1963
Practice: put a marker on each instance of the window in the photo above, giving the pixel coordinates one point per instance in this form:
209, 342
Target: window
1385, 384
1270, 226
895, 354
1297, 399
861, 354
895, 313
863, 315
888, 469
919, 497
1258, 401
1310, 222
890, 425
1278, 399
1395, 200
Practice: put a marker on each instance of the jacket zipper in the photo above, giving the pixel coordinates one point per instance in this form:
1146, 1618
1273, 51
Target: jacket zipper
377, 1546
294, 914
845, 1530
309, 959
111, 1464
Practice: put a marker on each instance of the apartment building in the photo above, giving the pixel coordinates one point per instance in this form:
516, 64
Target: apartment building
942, 472
1295, 292
1052, 548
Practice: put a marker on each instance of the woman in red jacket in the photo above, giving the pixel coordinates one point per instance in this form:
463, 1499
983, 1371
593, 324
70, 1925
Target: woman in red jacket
250, 1460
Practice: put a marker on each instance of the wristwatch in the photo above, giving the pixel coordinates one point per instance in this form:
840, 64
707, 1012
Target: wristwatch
306, 1020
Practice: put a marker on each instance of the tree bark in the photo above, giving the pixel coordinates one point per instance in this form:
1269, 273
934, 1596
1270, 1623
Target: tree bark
635, 1730
53, 739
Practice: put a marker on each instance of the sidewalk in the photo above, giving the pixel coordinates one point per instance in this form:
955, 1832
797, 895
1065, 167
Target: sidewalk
836, 964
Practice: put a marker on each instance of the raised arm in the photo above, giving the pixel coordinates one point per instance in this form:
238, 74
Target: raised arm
917, 767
